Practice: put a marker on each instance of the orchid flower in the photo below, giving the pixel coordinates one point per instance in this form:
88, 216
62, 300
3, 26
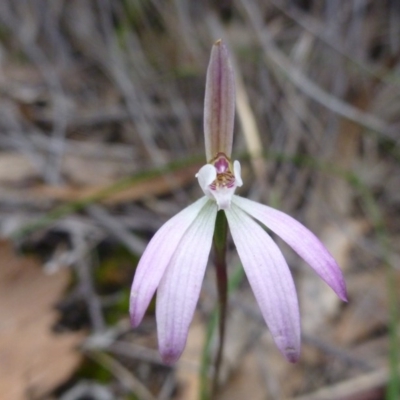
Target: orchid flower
175, 260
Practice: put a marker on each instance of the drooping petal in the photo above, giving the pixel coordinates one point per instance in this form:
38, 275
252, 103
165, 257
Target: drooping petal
302, 241
156, 257
219, 103
180, 286
270, 279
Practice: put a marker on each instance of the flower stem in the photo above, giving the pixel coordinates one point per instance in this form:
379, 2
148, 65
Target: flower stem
220, 234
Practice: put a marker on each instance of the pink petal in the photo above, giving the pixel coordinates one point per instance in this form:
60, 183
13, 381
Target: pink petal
219, 103
302, 241
156, 257
180, 286
270, 279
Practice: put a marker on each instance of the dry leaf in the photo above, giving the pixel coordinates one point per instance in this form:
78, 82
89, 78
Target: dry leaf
33, 359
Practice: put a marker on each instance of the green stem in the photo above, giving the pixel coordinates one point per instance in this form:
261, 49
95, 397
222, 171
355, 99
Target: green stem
234, 281
220, 234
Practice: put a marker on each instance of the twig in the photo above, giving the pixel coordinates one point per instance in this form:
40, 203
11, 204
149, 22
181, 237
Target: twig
316, 28
115, 227
274, 55
327, 348
127, 379
345, 390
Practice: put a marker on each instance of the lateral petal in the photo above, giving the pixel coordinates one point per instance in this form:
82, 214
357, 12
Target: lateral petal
156, 257
300, 239
270, 279
206, 176
238, 174
180, 286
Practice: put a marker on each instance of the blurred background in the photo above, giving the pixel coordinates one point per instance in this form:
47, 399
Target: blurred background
101, 106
